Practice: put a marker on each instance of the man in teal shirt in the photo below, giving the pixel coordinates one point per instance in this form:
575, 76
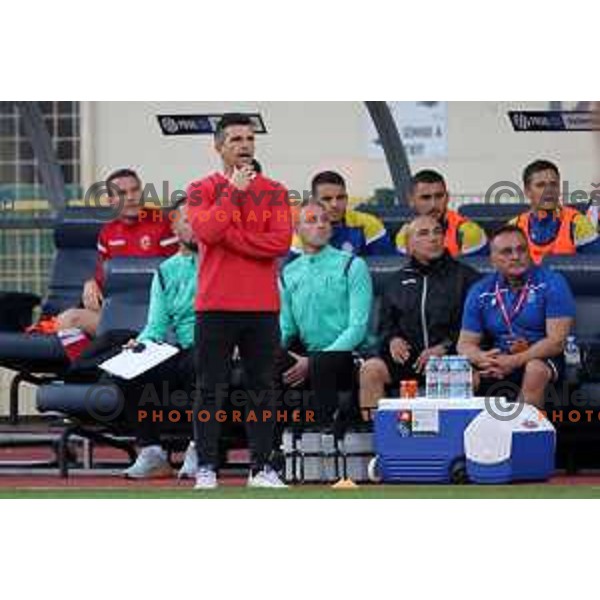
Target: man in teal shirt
171, 310
326, 303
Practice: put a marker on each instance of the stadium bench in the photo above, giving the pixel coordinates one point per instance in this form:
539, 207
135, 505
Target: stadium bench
393, 217
579, 439
579, 394
492, 216
94, 411
74, 262
87, 413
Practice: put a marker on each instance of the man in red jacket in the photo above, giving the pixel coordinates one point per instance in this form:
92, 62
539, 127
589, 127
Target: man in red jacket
243, 221
136, 232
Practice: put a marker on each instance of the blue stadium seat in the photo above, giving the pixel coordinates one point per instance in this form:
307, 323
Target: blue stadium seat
127, 290
127, 286
492, 216
393, 217
583, 274
479, 263
382, 269
87, 403
74, 263
95, 408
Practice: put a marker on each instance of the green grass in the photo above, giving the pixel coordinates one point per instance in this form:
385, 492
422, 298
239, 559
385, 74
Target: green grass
374, 492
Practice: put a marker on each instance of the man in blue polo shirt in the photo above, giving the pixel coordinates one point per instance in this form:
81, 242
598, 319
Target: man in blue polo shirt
525, 311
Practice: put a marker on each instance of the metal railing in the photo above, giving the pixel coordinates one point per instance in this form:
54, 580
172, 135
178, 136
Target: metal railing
26, 250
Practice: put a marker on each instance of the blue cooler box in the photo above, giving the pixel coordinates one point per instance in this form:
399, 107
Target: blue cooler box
520, 449
422, 440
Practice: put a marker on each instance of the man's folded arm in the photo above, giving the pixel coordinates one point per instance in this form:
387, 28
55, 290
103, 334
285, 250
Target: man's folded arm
210, 217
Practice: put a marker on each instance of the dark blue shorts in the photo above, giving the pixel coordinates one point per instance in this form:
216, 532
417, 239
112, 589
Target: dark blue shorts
556, 365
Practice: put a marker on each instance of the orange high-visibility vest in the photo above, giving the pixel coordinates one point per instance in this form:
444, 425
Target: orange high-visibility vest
563, 243
451, 241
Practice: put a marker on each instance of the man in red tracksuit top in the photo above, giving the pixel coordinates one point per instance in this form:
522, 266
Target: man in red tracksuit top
136, 232
243, 221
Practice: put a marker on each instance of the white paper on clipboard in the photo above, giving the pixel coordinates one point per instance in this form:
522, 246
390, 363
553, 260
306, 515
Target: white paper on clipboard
130, 364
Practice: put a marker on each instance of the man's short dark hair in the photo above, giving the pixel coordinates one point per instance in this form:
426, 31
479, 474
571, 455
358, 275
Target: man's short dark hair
537, 167
327, 178
427, 176
507, 229
230, 120
120, 174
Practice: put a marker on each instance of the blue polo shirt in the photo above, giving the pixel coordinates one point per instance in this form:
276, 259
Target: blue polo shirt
549, 297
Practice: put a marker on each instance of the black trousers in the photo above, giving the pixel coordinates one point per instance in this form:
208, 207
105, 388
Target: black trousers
329, 392
161, 400
256, 336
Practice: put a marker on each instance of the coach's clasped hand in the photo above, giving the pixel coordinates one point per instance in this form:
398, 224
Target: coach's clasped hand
242, 178
399, 350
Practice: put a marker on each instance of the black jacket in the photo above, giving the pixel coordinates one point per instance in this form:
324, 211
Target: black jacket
424, 304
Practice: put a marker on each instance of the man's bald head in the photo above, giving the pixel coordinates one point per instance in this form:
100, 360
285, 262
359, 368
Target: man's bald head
425, 239
314, 226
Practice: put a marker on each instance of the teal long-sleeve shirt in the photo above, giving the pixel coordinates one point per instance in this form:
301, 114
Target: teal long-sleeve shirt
172, 301
325, 303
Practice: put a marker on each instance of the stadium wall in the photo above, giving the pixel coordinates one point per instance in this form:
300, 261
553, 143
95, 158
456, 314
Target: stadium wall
305, 137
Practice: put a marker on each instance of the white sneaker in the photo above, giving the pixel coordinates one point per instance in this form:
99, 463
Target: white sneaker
151, 463
190, 463
206, 479
267, 478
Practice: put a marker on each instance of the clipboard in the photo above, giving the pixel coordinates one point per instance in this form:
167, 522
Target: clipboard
130, 364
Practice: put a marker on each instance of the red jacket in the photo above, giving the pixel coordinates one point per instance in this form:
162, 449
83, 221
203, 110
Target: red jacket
148, 236
242, 234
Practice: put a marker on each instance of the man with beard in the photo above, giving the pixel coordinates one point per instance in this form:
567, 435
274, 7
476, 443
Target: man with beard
429, 196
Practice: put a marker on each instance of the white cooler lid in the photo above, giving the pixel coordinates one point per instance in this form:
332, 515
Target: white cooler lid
433, 404
488, 440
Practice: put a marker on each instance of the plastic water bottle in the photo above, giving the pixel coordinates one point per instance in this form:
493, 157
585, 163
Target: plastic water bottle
432, 380
453, 367
572, 359
572, 353
444, 375
466, 377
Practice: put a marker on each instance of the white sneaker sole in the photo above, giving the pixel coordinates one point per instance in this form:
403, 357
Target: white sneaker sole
159, 473
205, 488
266, 486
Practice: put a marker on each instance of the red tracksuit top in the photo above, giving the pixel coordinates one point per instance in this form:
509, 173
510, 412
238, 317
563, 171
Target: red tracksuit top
149, 236
242, 235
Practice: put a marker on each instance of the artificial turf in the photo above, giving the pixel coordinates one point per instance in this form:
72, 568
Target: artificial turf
368, 492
